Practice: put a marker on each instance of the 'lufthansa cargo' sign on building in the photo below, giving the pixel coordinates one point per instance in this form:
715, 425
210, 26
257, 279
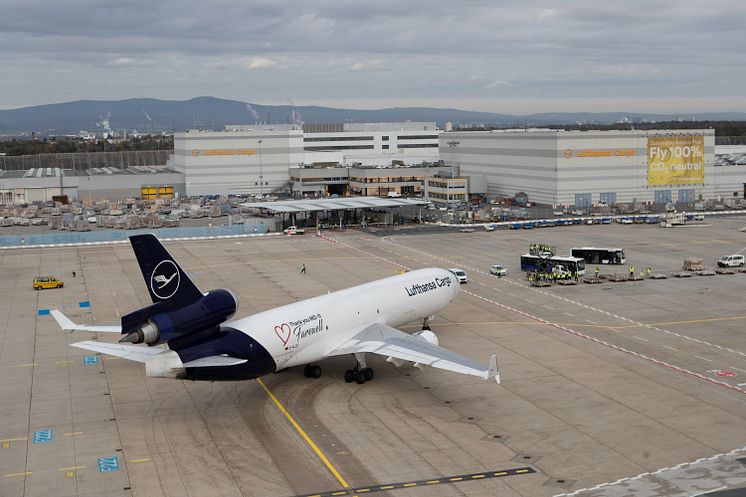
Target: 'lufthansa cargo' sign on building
617, 152
242, 151
676, 160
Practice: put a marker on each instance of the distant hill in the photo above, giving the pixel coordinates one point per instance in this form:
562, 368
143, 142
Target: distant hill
153, 115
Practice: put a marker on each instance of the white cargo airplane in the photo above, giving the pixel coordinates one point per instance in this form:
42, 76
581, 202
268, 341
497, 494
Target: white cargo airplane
205, 343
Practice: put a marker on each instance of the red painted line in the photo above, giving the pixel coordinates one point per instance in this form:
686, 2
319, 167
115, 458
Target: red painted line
610, 345
560, 327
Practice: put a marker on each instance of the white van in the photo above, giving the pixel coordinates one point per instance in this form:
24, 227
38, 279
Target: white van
498, 270
459, 274
393, 194
735, 260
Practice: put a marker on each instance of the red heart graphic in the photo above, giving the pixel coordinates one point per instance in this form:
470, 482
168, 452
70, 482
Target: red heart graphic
283, 333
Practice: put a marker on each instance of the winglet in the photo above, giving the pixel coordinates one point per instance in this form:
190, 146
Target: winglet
493, 371
65, 323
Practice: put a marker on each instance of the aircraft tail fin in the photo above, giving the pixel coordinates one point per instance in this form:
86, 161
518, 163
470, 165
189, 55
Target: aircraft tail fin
165, 279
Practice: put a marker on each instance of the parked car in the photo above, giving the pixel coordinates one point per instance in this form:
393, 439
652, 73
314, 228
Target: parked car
294, 230
467, 230
498, 270
735, 260
460, 275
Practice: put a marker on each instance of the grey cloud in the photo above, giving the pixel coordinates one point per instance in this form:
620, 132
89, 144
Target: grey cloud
322, 49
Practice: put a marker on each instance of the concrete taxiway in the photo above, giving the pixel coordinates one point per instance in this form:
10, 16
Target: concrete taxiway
634, 388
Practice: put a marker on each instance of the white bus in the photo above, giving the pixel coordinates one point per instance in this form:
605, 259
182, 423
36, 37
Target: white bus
594, 255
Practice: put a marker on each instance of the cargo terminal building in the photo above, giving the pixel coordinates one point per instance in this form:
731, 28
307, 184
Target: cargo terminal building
257, 158
581, 168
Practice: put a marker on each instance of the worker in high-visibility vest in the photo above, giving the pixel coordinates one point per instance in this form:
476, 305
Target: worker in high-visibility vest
632, 272
598, 270
649, 272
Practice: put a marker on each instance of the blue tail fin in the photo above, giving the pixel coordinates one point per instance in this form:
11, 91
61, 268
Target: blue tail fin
165, 279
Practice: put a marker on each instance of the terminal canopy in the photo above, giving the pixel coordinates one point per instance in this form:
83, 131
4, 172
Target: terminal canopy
332, 204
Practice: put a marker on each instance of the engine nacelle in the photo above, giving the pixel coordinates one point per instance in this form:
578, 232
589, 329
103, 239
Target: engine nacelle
214, 308
165, 365
428, 336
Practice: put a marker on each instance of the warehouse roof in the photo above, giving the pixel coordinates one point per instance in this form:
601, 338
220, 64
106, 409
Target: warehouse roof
333, 204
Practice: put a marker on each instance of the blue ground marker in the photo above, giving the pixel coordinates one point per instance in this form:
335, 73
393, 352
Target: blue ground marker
84, 303
90, 359
43, 312
108, 464
42, 436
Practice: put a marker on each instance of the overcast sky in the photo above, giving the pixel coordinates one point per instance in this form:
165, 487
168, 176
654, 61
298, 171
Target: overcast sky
515, 57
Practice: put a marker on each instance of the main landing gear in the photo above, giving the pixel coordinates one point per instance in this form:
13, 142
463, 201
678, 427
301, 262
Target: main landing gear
360, 373
312, 371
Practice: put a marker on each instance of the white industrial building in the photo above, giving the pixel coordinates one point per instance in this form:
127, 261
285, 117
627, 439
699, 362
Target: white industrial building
257, 159
565, 168
41, 184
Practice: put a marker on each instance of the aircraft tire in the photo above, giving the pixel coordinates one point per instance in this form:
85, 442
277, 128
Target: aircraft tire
307, 370
368, 374
349, 376
360, 376
315, 371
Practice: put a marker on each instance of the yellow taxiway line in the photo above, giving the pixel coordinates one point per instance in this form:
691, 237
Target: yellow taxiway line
305, 436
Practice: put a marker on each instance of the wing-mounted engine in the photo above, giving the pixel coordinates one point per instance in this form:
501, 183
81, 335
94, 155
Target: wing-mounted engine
163, 321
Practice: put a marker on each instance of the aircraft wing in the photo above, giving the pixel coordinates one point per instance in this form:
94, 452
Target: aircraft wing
142, 354
386, 341
67, 325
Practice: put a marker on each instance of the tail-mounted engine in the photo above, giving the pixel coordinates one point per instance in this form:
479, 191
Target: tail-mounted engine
164, 321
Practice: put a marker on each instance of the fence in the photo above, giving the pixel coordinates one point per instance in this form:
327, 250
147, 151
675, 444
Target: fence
101, 237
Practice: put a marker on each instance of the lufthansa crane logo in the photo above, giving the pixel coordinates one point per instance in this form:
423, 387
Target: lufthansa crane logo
164, 282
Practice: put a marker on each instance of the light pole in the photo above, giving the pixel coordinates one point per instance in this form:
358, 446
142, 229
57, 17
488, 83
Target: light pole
261, 176
451, 144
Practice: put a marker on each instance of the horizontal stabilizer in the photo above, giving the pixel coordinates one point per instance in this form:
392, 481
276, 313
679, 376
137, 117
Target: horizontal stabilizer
214, 360
130, 352
67, 325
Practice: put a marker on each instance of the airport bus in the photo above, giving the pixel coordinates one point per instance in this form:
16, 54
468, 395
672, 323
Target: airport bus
594, 255
534, 263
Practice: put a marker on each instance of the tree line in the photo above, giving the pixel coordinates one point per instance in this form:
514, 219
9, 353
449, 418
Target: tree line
53, 145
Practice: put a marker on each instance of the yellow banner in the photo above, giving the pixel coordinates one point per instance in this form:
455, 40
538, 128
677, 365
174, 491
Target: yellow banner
197, 153
676, 160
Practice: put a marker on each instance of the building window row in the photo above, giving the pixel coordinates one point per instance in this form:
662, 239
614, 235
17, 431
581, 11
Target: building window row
418, 145
329, 148
417, 137
385, 179
338, 139
443, 196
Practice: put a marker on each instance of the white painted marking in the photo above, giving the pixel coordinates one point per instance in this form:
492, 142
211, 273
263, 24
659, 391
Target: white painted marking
592, 322
568, 314
742, 384
675, 350
640, 338
738, 369
548, 307
529, 301
708, 491
703, 358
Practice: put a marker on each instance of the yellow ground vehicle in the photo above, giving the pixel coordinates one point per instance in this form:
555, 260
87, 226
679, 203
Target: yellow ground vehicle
47, 282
